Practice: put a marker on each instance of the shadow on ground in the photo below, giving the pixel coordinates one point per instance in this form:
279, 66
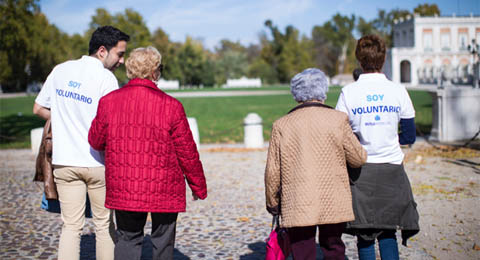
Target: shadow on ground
259, 251
475, 166
87, 249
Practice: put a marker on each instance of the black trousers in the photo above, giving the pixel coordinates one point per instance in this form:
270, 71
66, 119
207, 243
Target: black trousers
130, 234
302, 241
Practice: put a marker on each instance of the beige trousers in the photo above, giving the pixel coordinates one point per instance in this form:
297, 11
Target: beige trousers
73, 183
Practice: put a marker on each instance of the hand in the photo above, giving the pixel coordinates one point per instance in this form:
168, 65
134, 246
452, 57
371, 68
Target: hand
275, 211
195, 197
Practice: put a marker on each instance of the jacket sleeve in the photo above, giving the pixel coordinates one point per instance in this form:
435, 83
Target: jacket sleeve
355, 154
187, 154
272, 174
97, 134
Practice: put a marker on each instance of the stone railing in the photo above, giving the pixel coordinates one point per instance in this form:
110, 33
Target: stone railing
458, 75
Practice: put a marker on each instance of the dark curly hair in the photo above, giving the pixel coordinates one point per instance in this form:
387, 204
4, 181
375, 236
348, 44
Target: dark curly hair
107, 36
370, 52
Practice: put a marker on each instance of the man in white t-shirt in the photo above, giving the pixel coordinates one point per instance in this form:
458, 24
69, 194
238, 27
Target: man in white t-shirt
70, 97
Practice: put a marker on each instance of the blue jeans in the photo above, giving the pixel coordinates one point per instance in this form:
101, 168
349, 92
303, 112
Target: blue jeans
387, 242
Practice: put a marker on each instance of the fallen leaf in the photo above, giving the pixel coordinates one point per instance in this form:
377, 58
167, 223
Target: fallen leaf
243, 219
418, 159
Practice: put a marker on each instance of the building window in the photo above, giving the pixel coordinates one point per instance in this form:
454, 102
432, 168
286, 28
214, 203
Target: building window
412, 36
405, 72
462, 39
397, 39
445, 39
427, 40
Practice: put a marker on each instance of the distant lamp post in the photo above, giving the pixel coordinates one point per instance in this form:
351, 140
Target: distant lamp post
474, 50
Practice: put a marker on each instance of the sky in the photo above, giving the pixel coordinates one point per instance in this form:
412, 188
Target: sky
237, 20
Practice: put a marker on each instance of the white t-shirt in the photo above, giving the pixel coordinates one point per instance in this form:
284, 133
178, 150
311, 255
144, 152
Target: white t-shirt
72, 91
374, 106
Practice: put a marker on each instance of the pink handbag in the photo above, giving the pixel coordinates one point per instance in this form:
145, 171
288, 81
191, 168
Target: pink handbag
278, 244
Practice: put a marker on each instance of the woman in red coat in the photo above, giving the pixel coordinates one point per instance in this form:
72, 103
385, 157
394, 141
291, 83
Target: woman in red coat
149, 152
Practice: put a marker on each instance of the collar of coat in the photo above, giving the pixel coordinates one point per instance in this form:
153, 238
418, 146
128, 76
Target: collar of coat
310, 104
142, 83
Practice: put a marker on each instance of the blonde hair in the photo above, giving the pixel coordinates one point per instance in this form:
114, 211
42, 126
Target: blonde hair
142, 62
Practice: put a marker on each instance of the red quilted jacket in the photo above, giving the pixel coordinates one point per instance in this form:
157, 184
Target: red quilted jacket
149, 150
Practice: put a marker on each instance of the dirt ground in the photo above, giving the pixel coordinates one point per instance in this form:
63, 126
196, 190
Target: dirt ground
446, 185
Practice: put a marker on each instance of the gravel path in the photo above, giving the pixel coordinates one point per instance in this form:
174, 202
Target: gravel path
232, 222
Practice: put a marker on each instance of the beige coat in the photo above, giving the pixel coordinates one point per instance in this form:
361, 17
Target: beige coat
306, 167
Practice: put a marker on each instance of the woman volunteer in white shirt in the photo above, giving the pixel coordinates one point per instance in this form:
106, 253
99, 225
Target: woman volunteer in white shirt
381, 192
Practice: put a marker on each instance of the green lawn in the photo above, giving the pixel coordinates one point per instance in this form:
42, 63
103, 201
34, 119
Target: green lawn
269, 87
16, 121
220, 119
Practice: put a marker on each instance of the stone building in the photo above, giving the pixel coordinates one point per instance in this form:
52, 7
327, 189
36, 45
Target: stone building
427, 50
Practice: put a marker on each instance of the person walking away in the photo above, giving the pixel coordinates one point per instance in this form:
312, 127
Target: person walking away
149, 153
306, 179
382, 196
70, 97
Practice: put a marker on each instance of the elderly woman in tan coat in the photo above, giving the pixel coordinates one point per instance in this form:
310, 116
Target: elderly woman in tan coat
306, 179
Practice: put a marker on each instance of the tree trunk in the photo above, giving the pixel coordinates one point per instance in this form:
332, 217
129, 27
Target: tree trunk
343, 57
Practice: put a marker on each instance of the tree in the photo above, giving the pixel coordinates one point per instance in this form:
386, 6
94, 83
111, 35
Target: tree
253, 52
132, 23
287, 53
192, 61
364, 27
335, 42
30, 45
51, 48
427, 10
231, 64
16, 21
227, 45
169, 51
79, 46
102, 17
259, 68
262, 66
325, 52
231, 61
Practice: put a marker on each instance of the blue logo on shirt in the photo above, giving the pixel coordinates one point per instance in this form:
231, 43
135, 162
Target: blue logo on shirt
377, 118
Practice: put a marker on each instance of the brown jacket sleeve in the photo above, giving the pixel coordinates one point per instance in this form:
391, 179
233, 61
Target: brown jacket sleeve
355, 154
272, 173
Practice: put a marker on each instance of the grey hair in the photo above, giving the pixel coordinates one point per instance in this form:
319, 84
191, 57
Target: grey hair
310, 84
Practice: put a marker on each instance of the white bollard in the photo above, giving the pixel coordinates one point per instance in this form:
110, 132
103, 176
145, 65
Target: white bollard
36, 139
192, 122
253, 131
